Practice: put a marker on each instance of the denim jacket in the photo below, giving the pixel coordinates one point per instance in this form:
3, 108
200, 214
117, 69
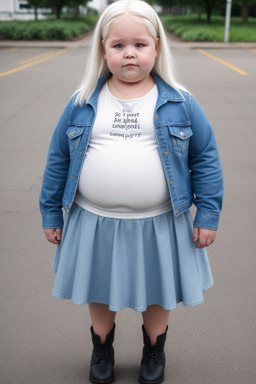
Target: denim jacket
187, 148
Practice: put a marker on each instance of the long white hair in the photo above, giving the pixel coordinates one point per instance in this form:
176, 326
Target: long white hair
96, 64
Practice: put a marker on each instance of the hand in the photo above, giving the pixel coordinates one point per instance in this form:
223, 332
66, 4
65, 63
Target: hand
205, 237
53, 235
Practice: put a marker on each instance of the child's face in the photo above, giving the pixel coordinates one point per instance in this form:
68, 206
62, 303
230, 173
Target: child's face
130, 51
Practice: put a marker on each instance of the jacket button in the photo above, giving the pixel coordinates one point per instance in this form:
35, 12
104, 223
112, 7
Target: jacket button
171, 182
67, 210
72, 134
176, 211
182, 134
74, 177
165, 153
155, 116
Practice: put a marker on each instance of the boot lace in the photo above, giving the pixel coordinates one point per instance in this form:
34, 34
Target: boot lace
103, 355
151, 353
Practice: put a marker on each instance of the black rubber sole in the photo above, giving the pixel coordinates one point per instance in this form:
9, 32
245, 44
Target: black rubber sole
151, 382
109, 381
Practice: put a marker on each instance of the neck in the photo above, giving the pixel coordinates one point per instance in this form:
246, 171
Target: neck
126, 90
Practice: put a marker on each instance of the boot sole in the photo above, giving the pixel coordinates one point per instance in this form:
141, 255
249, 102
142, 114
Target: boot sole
152, 382
111, 380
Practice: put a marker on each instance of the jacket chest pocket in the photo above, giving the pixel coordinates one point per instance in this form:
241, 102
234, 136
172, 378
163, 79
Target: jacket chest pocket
180, 137
74, 134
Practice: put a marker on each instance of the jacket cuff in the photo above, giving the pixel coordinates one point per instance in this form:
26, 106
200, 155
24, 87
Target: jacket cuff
52, 221
207, 220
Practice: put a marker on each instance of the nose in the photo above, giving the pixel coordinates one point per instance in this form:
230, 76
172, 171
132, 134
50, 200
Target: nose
129, 54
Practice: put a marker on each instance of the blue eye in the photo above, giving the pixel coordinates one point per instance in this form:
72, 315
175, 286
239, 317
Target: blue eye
139, 45
118, 46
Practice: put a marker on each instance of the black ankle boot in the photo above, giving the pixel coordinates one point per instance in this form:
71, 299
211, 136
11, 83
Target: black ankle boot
153, 360
102, 361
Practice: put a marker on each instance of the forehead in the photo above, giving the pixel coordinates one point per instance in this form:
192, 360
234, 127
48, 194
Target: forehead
128, 24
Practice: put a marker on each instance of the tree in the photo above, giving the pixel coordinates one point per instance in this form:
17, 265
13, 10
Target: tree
246, 5
207, 5
245, 10
58, 5
37, 4
76, 3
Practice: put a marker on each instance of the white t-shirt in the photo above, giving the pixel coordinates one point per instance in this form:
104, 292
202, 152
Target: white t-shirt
122, 175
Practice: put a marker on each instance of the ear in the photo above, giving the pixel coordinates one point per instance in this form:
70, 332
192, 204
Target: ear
103, 50
157, 45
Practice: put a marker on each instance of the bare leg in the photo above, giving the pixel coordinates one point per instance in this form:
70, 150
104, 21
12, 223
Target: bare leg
155, 321
102, 320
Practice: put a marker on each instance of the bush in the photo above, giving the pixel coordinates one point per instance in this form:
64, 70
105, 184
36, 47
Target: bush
191, 28
64, 29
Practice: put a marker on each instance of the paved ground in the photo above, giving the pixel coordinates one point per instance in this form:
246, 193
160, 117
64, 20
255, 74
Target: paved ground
46, 341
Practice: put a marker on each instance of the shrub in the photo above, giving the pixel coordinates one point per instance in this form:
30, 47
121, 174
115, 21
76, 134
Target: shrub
190, 28
64, 29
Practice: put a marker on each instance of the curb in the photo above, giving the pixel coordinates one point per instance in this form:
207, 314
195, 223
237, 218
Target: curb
79, 43
212, 45
42, 44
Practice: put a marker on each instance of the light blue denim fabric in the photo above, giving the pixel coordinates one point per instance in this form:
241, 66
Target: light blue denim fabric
187, 148
130, 263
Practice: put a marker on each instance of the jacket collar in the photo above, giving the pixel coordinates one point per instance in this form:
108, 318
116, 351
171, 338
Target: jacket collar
165, 91
94, 98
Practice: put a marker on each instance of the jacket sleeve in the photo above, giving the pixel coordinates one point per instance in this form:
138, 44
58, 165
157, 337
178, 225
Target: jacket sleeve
55, 174
206, 170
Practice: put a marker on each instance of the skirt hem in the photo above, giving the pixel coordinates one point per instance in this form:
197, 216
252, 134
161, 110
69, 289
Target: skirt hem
130, 306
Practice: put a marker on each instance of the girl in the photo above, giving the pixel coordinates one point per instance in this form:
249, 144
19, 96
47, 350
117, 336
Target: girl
131, 153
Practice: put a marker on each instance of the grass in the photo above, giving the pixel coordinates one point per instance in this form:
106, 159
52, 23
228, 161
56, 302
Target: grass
190, 28
51, 29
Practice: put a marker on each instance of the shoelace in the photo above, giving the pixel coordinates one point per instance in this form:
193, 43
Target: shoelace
151, 351
103, 353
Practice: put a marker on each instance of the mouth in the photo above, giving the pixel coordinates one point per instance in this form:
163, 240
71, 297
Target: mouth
129, 65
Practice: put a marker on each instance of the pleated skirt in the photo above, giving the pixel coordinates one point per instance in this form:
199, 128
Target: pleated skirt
130, 263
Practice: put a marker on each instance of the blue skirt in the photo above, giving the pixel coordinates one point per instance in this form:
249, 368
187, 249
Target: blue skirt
130, 263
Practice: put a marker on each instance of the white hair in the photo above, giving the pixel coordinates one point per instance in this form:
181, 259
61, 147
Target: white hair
96, 64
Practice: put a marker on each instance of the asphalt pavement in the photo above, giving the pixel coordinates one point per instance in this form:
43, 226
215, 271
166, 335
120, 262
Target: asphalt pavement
44, 340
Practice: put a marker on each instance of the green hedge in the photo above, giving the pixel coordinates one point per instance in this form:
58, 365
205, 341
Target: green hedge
64, 29
190, 28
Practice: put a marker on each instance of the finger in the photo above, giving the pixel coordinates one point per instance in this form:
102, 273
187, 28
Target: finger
207, 237
50, 235
195, 234
212, 237
208, 241
202, 241
58, 232
51, 238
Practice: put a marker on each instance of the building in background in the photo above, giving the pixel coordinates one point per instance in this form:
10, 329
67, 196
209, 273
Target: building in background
22, 10
99, 5
19, 10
